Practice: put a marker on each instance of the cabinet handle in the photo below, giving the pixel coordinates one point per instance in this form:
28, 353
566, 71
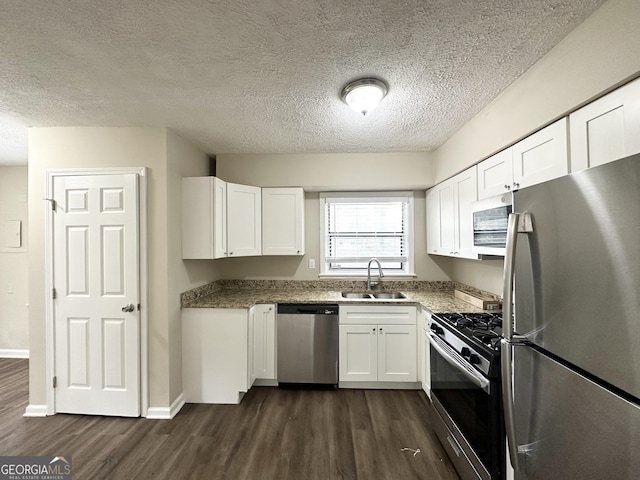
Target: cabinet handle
516, 185
374, 329
508, 187
230, 253
298, 251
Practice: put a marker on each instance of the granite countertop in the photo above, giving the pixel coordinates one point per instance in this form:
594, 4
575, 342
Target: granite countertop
437, 301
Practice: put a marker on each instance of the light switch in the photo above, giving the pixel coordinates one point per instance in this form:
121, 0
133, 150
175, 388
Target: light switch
312, 263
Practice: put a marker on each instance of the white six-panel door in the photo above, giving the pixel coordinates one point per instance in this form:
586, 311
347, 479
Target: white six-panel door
96, 280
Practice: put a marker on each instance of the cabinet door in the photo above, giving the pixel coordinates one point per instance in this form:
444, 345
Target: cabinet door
433, 221
446, 200
219, 218
397, 358
358, 355
244, 220
466, 192
607, 129
495, 174
264, 341
282, 221
542, 156
204, 218
251, 370
426, 353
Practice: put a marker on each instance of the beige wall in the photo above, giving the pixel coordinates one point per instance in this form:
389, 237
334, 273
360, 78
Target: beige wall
162, 153
297, 268
14, 319
333, 171
183, 160
328, 172
600, 54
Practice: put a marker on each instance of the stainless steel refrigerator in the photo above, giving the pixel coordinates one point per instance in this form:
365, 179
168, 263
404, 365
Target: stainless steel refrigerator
571, 356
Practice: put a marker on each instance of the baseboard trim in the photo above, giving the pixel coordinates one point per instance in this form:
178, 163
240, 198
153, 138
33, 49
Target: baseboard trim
166, 413
382, 385
14, 353
265, 382
35, 411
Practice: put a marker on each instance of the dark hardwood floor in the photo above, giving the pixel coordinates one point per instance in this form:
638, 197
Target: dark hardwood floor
275, 433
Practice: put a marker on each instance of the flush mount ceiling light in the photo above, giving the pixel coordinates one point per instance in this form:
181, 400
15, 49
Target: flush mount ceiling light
364, 94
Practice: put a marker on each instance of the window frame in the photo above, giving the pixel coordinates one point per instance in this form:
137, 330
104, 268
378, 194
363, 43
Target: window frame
409, 271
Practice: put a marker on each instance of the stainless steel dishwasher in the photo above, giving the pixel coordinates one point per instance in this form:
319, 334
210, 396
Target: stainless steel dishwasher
307, 343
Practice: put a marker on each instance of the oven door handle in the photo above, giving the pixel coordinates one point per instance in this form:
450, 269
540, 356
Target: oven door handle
457, 361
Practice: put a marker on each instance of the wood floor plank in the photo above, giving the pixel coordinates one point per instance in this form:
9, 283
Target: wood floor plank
275, 433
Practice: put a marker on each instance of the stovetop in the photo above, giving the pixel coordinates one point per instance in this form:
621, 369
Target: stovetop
483, 329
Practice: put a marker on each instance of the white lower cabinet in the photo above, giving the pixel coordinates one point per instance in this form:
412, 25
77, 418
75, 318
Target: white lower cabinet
377, 344
225, 350
215, 355
425, 352
263, 319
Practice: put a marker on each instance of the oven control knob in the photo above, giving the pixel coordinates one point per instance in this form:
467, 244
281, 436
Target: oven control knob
474, 359
437, 329
465, 352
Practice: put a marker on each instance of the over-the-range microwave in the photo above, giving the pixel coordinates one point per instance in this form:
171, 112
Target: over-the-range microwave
490, 220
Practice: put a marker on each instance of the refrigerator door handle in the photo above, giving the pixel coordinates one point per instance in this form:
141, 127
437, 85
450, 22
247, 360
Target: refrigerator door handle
518, 223
506, 357
509, 269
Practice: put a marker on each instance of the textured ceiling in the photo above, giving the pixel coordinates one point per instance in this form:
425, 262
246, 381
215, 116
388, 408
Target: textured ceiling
246, 76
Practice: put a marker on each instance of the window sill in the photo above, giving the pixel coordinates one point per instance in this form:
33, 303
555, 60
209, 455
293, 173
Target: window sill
351, 276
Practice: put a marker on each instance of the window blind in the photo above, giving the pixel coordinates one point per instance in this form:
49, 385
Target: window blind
358, 229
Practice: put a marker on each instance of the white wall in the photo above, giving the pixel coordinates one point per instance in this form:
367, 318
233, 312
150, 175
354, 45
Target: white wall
14, 319
602, 53
93, 147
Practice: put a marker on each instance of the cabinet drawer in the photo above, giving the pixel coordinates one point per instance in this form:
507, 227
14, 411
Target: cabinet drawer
377, 314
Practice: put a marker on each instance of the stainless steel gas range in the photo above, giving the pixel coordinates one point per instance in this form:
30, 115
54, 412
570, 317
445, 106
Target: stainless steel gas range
466, 391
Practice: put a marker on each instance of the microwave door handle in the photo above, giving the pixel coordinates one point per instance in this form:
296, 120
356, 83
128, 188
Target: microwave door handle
477, 380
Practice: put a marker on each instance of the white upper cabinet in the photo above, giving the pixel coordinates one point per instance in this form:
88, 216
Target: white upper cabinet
542, 156
244, 220
465, 187
495, 174
607, 129
204, 218
440, 221
282, 221
539, 157
449, 221
433, 220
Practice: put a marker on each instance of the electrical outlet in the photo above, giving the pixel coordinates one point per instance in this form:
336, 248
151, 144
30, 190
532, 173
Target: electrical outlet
312, 263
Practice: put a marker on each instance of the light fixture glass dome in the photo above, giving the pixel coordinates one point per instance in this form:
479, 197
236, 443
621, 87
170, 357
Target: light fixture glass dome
363, 95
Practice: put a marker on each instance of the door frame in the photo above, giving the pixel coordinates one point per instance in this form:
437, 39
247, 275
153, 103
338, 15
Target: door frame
51, 174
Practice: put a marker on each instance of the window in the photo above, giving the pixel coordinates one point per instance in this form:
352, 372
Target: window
359, 226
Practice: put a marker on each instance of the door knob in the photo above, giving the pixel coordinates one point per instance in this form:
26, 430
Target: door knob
129, 308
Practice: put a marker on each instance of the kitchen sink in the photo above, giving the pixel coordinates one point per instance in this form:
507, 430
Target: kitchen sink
388, 295
365, 296
373, 295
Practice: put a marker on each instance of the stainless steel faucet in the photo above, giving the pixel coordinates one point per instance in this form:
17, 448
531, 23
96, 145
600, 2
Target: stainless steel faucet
380, 274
